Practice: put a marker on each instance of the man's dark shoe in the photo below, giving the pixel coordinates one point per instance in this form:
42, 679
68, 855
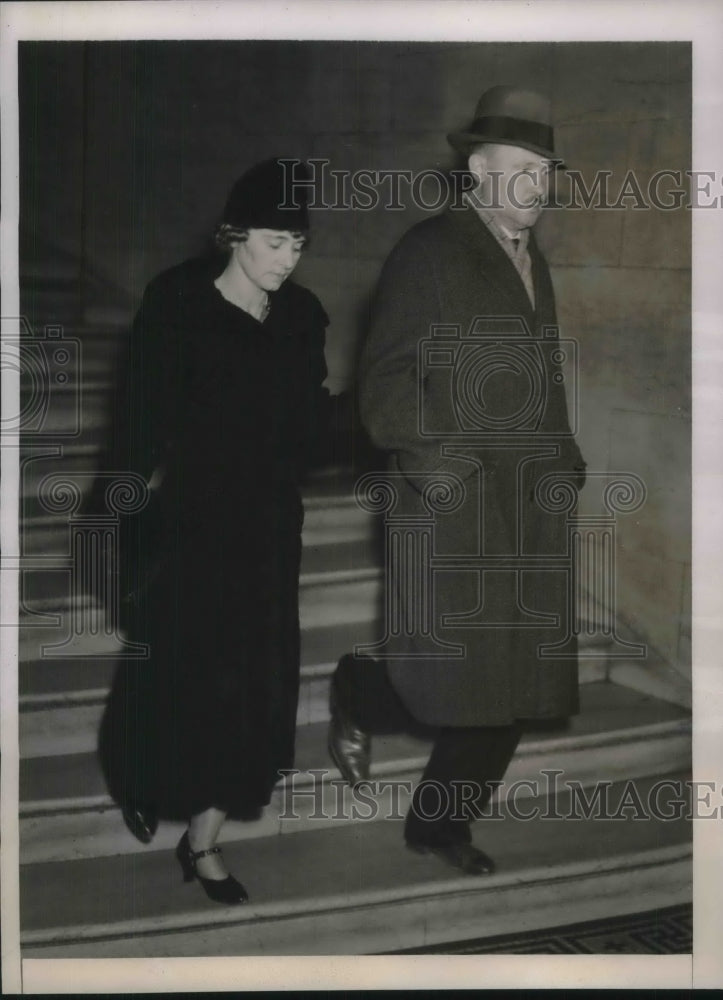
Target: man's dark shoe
349, 746
141, 820
467, 858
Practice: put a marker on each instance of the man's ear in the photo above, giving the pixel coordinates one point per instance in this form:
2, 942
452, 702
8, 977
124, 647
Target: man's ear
477, 164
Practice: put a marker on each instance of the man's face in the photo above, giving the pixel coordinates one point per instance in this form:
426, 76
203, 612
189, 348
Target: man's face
268, 256
514, 183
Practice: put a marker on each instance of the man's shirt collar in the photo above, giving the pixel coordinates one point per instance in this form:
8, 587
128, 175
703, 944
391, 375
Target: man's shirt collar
513, 245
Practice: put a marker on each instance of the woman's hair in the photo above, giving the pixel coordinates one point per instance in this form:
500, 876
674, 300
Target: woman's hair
227, 235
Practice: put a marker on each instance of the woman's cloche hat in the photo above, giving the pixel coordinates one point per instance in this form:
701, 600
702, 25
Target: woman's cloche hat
510, 116
271, 195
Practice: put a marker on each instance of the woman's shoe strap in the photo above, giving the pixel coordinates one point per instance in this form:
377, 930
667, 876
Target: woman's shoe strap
202, 854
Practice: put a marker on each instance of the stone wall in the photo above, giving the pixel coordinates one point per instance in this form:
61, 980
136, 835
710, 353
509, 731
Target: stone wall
622, 279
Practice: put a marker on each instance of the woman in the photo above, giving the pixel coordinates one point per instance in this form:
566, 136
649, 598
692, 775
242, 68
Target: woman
222, 407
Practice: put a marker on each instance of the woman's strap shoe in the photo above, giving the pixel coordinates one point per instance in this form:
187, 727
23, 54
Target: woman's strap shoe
226, 890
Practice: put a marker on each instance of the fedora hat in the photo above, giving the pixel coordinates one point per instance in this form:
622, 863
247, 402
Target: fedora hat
512, 117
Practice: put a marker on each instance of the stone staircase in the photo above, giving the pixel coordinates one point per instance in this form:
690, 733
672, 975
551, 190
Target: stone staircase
326, 868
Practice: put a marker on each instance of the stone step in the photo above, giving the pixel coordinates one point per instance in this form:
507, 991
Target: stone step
52, 305
342, 552
66, 812
55, 286
51, 300
103, 334
336, 589
59, 677
352, 888
40, 457
326, 521
81, 410
41, 266
66, 375
67, 379
79, 452
47, 628
67, 722
62, 688
62, 651
98, 350
61, 682
330, 489
331, 513
43, 588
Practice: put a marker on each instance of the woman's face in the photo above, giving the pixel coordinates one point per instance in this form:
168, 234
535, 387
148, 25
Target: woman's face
268, 256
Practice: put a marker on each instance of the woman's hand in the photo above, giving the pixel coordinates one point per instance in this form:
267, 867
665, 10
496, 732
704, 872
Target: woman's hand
156, 477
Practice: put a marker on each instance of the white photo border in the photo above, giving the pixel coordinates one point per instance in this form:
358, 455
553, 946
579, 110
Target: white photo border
698, 21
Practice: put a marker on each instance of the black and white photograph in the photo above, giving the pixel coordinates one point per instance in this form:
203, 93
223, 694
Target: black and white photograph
359, 576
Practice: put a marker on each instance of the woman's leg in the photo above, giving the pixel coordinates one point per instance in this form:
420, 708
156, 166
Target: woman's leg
203, 831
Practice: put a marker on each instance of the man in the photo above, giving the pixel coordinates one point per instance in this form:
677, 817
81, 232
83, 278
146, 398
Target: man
481, 406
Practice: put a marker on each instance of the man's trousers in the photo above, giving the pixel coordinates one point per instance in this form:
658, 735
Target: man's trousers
464, 767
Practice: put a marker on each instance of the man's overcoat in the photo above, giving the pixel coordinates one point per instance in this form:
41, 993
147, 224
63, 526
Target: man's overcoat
482, 399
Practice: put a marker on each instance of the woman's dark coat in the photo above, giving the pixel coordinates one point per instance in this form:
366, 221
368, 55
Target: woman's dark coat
229, 407
451, 271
